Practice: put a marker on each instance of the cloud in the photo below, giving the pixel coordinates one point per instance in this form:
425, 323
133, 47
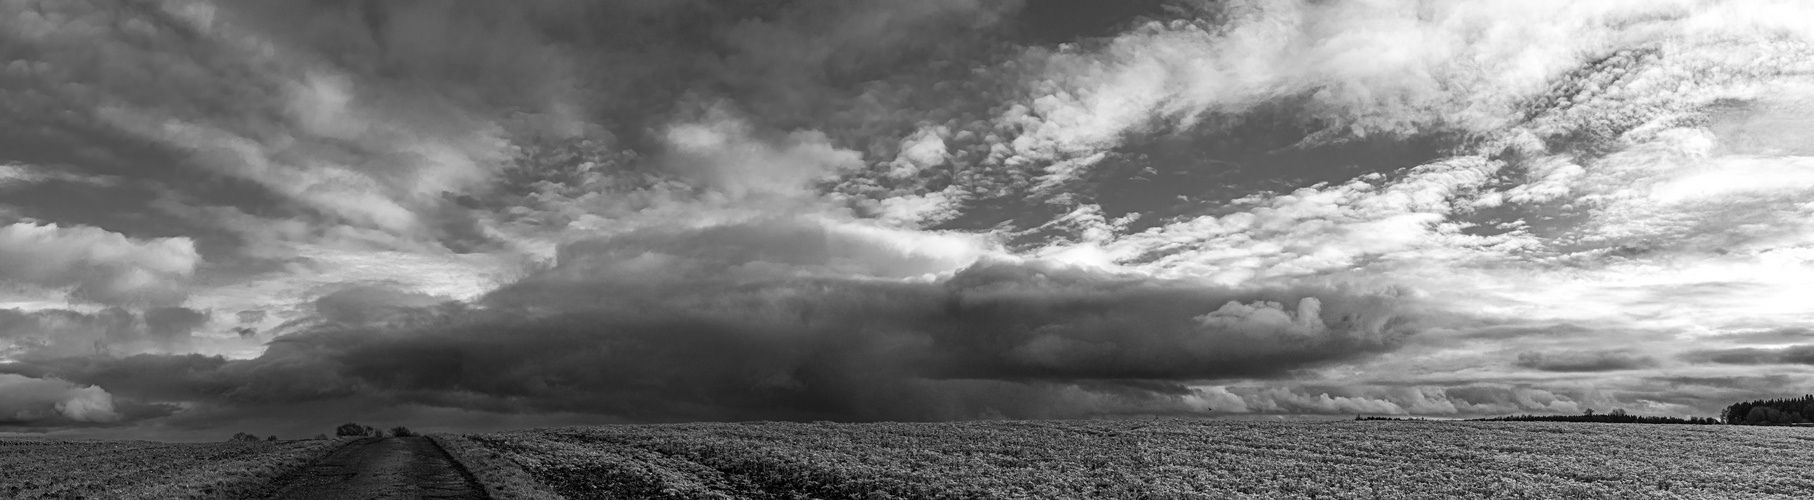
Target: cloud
99, 266
1577, 361
735, 322
1472, 400
51, 333
879, 209
719, 153
1800, 354
33, 401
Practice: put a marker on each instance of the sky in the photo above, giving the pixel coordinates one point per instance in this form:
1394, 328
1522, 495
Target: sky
277, 216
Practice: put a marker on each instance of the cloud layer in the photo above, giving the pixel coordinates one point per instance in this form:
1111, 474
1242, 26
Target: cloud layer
553, 211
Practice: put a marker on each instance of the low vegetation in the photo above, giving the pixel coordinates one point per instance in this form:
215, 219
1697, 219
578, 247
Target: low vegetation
355, 430
1143, 459
503, 478
133, 470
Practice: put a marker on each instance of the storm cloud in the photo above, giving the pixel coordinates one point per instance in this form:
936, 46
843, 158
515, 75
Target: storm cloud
709, 324
483, 214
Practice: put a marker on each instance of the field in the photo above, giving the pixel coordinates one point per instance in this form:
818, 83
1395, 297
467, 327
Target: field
31, 468
1144, 459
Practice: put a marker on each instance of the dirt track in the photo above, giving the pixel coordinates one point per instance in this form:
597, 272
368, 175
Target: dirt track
371, 468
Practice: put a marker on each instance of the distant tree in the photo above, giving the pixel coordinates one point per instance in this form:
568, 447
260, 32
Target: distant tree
401, 431
273, 437
1760, 415
373, 431
1773, 411
321, 437
244, 436
1589, 412
1618, 412
351, 430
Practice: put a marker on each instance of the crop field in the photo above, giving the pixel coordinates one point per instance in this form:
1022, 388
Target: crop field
31, 468
1147, 459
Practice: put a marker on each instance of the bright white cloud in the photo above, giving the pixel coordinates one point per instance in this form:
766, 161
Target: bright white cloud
720, 153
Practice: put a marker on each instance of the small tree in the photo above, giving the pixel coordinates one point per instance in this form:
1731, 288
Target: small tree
401, 431
273, 437
321, 437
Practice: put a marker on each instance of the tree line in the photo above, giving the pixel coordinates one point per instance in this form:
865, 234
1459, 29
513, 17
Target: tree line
1770, 411
348, 429
1613, 417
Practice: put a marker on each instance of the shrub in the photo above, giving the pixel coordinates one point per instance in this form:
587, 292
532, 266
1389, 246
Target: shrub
401, 431
243, 436
351, 430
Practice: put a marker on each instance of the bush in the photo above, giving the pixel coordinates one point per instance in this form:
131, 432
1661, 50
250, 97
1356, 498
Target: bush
272, 438
401, 431
244, 436
321, 437
351, 430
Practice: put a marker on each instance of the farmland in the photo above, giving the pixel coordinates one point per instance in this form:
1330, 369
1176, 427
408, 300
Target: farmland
32, 468
1145, 459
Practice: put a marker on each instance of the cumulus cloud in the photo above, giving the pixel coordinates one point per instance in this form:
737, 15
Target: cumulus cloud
96, 265
28, 401
719, 153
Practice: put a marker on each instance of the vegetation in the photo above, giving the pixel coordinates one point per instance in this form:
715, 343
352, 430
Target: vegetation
133, 470
1615, 417
244, 436
355, 430
402, 432
1141, 459
1770, 411
502, 477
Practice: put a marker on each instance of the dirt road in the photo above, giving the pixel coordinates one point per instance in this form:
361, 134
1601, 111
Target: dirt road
372, 468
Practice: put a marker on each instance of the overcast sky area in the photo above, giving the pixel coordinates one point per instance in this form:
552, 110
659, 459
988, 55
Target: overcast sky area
277, 216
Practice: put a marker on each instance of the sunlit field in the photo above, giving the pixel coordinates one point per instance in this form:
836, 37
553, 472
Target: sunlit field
1148, 459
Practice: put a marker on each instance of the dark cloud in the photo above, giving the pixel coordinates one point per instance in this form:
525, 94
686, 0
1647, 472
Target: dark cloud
1770, 335
696, 324
1802, 354
27, 401
364, 304
251, 316
1584, 361
60, 332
